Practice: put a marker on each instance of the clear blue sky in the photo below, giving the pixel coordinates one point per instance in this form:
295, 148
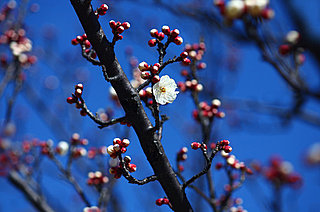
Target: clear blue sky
258, 137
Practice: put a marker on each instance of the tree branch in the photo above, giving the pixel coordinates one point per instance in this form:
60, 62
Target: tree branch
131, 103
36, 200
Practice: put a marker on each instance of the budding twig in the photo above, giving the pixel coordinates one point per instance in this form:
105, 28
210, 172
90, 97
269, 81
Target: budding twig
88, 55
205, 170
130, 178
97, 120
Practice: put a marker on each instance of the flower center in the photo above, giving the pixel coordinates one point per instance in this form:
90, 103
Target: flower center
162, 89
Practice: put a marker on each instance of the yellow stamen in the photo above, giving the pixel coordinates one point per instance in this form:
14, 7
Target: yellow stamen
162, 89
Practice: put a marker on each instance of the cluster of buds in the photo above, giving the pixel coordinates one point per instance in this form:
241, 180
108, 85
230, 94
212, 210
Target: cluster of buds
290, 45
235, 204
75, 98
129, 166
182, 156
146, 95
85, 43
173, 36
117, 170
6, 9
93, 152
102, 10
77, 143
118, 28
119, 147
209, 111
195, 52
162, 201
97, 178
78, 152
191, 85
46, 147
76, 140
185, 61
235, 9
149, 71
281, 173
91, 209
197, 145
19, 44
224, 145
8, 160
233, 162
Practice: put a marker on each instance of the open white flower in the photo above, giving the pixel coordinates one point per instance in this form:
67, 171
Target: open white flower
164, 91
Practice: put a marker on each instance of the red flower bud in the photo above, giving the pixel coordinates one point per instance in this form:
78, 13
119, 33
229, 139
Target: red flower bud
284, 49
227, 149
126, 25
186, 61
175, 33
152, 42
184, 55
195, 145
166, 30
120, 29
74, 41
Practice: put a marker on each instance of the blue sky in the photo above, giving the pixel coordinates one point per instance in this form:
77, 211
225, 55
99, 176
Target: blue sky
257, 137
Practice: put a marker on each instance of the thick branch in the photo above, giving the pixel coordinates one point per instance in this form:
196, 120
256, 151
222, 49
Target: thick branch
130, 101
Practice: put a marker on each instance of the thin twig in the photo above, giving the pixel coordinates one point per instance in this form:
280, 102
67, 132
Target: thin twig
133, 180
71, 179
205, 170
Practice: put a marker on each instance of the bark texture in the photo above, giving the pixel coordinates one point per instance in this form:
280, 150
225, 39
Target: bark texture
132, 106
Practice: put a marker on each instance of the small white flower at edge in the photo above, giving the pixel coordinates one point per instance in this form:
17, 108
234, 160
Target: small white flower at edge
164, 91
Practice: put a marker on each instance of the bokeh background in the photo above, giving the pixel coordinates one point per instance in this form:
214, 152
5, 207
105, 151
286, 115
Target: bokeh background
235, 73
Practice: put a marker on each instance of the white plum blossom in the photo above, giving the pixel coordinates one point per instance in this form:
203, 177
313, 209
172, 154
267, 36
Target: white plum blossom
62, 148
164, 91
255, 7
234, 9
